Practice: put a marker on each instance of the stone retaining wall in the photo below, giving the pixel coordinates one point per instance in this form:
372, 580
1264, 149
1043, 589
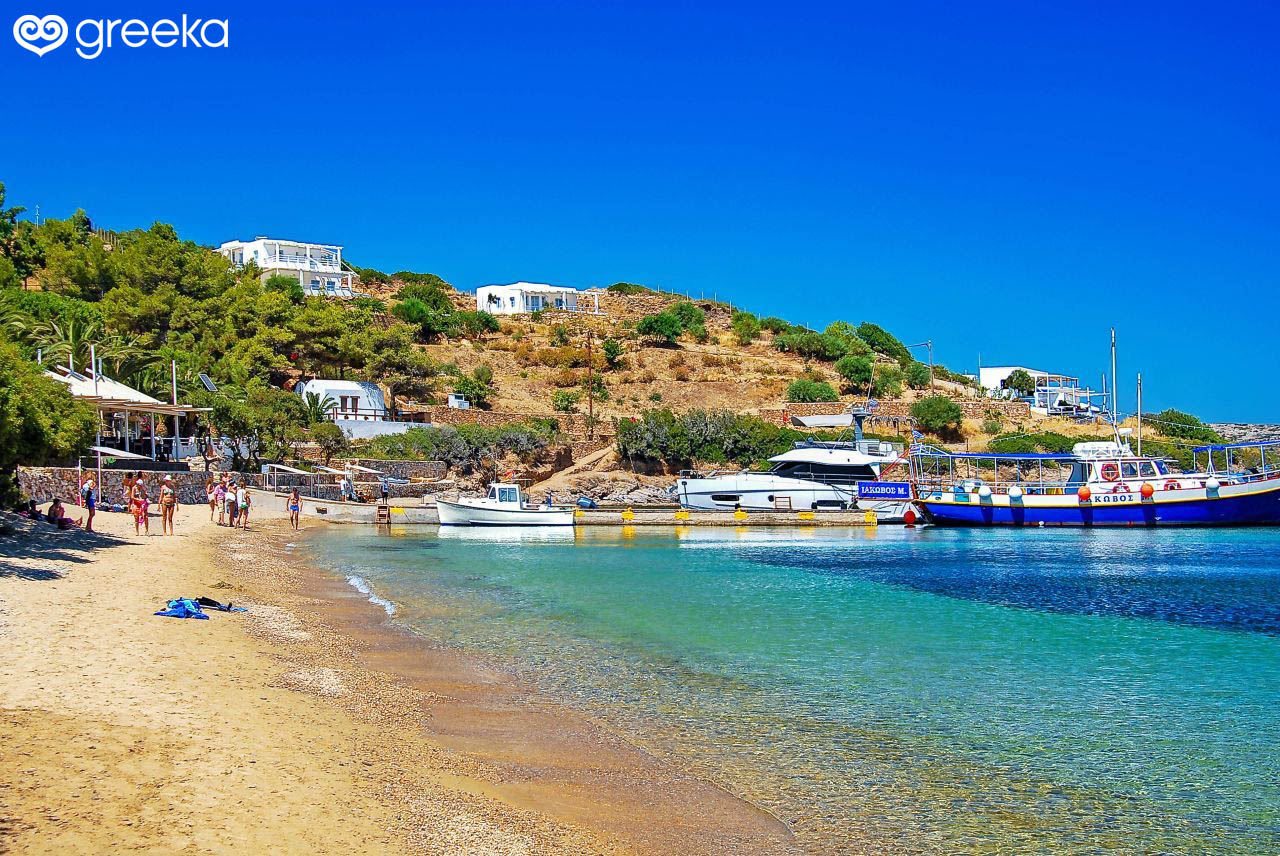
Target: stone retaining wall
44, 483
399, 469
899, 410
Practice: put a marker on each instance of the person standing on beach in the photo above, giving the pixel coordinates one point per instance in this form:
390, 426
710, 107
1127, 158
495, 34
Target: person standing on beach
233, 507
126, 492
385, 489
168, 502
209, 491
90, 501
220, 500
243, 500
140, 503
295, 507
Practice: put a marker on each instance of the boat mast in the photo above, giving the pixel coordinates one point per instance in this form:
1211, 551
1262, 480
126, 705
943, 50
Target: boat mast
1114, 387
1139, 414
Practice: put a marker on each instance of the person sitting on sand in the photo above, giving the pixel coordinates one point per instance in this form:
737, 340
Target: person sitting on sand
168, 503
295, 507
58, 515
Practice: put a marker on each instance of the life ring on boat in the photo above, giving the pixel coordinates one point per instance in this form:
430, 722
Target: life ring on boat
1110, 472
1122, 488
1172, 485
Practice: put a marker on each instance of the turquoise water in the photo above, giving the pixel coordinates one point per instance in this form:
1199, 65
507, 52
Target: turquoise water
925, 690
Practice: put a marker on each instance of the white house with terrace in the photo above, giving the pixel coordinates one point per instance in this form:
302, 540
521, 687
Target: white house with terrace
521, 298
318, 268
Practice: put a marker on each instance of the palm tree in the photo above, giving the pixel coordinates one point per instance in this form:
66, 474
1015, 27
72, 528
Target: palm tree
318, 408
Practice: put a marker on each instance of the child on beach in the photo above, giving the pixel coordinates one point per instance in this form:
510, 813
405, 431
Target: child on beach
168, 502
242, 499
233, 505
139, 503
295, 507
220, 500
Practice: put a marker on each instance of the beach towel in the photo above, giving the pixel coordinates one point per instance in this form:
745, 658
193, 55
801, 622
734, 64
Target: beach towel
182, 607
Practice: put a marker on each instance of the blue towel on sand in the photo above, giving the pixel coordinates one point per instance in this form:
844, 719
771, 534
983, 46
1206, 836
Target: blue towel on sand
183, 607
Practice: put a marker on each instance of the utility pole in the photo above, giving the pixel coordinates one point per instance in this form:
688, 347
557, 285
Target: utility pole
591, 390
929, 344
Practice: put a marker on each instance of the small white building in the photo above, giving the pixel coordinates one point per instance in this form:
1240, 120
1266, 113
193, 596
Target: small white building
350, 399
318, 268
520, 298
993, 378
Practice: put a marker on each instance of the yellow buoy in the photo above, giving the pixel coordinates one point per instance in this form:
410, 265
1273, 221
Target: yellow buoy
628, 515
739, 515
871, 519
805, 515
682, 515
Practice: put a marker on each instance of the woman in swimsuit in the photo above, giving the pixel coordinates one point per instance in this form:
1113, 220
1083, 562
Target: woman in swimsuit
295, 507
139, 503
209, 487
168, 502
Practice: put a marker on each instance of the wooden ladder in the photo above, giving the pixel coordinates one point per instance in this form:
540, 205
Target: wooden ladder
384, 514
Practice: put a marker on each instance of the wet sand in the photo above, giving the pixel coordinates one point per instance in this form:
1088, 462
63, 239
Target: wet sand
312, 723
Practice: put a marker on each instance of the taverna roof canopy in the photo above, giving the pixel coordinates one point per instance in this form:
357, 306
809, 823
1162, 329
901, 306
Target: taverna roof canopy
112, 395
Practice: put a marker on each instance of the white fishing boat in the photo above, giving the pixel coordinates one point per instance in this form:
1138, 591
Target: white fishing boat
504, 505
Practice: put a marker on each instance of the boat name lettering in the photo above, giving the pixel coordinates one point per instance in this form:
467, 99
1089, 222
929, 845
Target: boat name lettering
883, 490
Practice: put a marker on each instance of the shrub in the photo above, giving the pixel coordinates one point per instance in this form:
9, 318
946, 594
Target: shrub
991, 426
564, 378
856, 371
655, 396
626, 288
810, 345
473, 324
883, 342
937, 414
286, 285
803, 390
560, 335
682, 374
845, 332
565, 401
712, 361
699, 334
663, 327
689, 314
774, 325
466, 447
886, 380
612, 350
1175, 423
675, 361
703, 435
476, 387
745, 327
917, 375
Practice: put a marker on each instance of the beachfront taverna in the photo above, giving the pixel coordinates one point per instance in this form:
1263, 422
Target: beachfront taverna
318, 268
520, 298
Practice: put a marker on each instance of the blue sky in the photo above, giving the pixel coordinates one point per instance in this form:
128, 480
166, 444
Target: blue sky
1010, 180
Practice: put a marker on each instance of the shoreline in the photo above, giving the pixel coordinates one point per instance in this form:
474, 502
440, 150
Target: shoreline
420, 748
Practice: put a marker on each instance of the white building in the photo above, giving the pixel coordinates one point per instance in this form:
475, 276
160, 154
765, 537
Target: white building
993, 378
317, 267
350, 399
1054, 395
520, 298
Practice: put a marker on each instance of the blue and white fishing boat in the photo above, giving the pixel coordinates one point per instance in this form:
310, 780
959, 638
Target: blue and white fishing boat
1099, 484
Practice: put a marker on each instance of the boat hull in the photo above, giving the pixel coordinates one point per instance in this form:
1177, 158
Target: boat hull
762, 492
462, 514
1231, 505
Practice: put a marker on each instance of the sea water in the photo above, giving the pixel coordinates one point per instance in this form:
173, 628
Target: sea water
898, 689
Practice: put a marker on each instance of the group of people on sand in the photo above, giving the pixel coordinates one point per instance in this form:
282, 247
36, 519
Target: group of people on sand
228, 501
137, 499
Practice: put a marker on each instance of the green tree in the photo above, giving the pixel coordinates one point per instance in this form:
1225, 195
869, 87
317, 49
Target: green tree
664, 327
286, 285
560, 335
805, 390
477, 387
855, 370
688, 313
774, 325
938, 414
331, 439
883, 342
1021, 382
473, 325
39, 420
917, 375
318, 408
1175, 423
400, 367
886, 381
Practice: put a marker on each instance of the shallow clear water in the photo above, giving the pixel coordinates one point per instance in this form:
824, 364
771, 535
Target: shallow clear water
935, 690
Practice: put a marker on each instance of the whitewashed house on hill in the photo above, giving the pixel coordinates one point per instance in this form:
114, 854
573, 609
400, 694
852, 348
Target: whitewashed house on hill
520, 298
352, 399
318, 268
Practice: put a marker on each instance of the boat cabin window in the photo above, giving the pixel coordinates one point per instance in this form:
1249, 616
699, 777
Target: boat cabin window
493, 493
1079, 474
507, 494
1129, 469
1147, 468
827, 473
725, 497
1161, 468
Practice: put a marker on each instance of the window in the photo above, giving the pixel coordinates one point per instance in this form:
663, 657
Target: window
725, 497
1147, 468
1129, 469
513, 300
507, 494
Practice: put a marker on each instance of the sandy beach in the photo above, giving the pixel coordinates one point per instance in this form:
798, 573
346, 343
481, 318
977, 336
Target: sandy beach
308, 724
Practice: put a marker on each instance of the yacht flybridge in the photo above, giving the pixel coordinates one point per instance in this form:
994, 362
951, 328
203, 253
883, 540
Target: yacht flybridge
813, 476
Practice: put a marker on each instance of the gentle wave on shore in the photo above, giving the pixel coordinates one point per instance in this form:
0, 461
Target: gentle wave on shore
943, 691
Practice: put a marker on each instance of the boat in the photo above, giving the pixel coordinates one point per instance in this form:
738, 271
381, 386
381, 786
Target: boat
814, 475
1099, 484
504, 505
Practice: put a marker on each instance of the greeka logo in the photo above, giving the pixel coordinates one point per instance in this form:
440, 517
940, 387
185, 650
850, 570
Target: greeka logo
41, 35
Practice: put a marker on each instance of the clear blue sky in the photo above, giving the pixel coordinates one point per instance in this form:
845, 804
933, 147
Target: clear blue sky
1006, 179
